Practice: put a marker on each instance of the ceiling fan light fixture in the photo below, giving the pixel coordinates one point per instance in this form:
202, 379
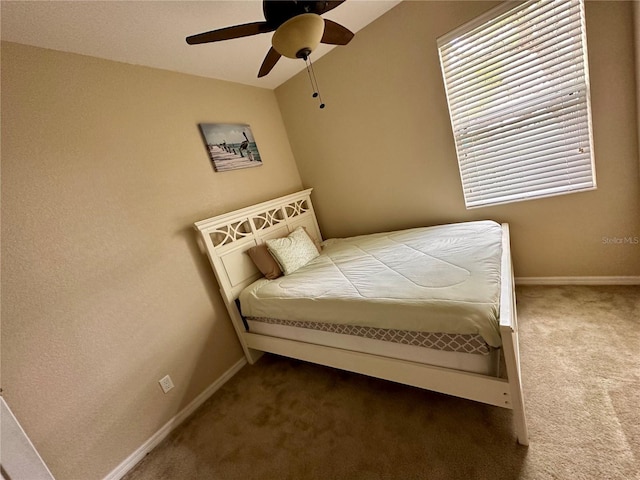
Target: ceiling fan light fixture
298, 36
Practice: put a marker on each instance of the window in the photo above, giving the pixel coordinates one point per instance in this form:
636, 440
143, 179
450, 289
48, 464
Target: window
517, 85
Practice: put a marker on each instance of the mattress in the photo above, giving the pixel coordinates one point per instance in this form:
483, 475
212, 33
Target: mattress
468, 353
473, 344
443, 279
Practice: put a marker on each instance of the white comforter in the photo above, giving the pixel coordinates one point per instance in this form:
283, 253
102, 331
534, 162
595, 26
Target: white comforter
433, 279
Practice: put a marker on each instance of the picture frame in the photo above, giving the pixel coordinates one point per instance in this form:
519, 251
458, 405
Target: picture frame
230, 146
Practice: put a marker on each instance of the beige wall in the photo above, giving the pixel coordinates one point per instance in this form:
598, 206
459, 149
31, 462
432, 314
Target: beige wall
381, 154
636, 38
103, 288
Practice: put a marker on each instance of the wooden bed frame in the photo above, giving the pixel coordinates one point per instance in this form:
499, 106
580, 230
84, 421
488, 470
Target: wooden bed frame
225, 239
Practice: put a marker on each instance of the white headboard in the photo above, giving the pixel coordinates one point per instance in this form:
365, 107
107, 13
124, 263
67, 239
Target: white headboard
226, 238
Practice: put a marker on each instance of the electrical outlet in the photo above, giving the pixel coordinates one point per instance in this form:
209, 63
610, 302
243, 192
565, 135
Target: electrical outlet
166, 383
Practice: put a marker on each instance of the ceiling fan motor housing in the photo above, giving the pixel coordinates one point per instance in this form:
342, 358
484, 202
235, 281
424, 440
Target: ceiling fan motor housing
298, 36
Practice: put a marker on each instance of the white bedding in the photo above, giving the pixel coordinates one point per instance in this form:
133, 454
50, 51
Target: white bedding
433, 279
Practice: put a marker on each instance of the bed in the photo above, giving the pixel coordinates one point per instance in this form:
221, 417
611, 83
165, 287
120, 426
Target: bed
359, 304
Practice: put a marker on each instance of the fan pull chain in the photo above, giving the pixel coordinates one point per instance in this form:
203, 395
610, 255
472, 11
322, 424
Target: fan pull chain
313, 80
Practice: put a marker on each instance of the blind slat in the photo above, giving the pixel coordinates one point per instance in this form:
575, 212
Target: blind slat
525, 175
520, 126
528, 157
527, 189
560, 34
536, 141
550, 98
495, 24
536, 73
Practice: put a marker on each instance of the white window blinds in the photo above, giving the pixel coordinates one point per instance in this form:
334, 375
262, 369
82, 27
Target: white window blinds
517, 84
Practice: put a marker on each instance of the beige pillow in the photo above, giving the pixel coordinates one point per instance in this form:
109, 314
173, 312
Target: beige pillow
293, 251
264, 261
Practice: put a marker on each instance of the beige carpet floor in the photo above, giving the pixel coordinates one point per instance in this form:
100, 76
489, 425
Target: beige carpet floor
284, 419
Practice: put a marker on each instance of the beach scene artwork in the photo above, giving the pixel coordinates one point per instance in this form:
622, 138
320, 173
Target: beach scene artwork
230, 146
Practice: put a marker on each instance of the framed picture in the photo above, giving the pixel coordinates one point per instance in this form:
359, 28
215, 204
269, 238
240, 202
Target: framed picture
230, 146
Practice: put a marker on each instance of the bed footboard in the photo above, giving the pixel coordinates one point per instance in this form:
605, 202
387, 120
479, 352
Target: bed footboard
509, 334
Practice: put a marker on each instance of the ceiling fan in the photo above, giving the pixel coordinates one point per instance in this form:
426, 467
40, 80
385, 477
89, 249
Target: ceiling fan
298, 28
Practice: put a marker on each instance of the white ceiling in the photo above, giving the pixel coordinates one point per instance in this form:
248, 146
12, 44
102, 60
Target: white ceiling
152, 33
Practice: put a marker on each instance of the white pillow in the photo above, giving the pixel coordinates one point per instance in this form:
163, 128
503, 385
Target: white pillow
293, 251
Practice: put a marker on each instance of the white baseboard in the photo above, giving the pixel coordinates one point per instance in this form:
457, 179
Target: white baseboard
168, 427
577, 280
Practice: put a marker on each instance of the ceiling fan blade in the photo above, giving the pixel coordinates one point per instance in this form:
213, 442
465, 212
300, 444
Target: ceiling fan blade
336, 34
269, 62
228, 33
